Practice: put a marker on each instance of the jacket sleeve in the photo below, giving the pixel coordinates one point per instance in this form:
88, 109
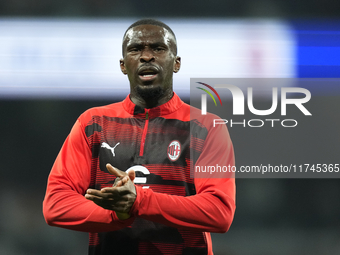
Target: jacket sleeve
64, 204
212, 208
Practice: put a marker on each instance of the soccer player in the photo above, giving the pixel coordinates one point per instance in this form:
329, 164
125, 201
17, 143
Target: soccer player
123, 173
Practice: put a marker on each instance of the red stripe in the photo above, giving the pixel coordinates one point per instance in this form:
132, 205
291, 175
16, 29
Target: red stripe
145, 130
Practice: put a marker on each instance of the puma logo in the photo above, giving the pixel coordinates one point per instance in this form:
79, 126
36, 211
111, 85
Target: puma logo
106, 146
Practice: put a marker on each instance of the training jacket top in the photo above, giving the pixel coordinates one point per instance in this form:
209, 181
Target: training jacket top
173, 213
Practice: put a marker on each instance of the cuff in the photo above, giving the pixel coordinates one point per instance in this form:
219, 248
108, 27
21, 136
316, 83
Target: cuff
136, 205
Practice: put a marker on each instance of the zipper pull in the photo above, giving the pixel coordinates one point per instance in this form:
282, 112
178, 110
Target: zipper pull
147, 114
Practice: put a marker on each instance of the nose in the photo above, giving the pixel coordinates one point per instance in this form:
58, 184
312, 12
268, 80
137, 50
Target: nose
147, 55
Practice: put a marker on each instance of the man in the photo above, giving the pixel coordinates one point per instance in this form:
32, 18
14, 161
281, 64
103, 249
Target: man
123, 173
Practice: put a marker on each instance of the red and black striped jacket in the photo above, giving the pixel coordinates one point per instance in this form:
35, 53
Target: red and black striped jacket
173, 213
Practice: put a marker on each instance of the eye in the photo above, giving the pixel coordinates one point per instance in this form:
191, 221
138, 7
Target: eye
133, 50
159, 49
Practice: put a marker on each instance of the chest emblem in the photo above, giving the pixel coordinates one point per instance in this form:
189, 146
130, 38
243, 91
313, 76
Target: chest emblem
106, 146
174, 150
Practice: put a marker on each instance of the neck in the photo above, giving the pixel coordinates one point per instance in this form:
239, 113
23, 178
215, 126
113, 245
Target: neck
151, 102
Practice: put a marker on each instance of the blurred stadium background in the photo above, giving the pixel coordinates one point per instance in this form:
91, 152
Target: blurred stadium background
58, 58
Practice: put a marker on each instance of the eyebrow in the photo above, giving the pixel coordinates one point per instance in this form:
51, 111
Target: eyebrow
152, 45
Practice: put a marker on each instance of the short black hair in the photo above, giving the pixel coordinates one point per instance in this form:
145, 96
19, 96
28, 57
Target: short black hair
151, 22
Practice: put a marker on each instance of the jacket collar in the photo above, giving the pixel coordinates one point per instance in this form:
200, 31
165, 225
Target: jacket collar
169, 107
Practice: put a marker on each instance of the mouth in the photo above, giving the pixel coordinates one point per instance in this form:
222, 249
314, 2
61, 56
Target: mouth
148, 73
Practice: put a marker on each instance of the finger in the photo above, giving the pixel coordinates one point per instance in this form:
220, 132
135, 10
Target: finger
87, 196
111, 190
92, 191
99, 199
118, 183
125, 180
115, 171
98, 193
132, 174
116, 192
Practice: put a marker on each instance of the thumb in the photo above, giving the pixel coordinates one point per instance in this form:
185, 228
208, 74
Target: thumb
115, 171
132, 174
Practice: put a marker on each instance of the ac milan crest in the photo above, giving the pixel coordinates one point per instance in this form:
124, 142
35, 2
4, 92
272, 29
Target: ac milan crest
174, 150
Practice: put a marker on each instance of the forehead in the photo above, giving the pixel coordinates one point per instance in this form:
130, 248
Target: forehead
148, 34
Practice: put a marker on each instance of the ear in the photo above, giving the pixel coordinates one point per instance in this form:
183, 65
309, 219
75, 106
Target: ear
122, 66
177, 64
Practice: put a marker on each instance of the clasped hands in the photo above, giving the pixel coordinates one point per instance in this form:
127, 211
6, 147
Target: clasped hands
120, 197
